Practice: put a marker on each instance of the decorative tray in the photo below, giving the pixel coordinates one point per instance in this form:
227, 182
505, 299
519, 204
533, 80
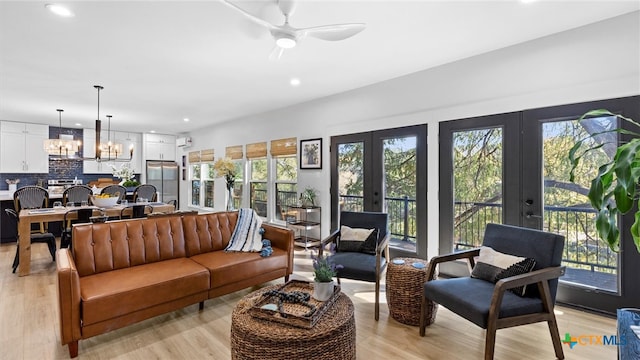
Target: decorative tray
292, 313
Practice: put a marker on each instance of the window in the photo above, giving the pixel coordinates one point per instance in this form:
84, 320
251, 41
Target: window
195, 184
235, 153
239, 184
285, 184
208, 176
202, 178
258, 186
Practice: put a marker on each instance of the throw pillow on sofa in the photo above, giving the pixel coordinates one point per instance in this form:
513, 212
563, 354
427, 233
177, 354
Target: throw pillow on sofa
493, 265
357, 240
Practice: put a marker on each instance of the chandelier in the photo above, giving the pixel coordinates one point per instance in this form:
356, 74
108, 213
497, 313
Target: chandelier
111, 150
64, 146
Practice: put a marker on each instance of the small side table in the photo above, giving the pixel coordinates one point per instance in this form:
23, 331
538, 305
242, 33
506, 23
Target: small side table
404, 289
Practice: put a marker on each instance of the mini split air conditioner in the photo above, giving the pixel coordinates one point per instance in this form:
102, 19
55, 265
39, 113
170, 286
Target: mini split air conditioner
183, 142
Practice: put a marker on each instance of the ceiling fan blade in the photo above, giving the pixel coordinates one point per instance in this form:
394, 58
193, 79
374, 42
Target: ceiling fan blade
332, 32
287, 7
276, 53
250, 16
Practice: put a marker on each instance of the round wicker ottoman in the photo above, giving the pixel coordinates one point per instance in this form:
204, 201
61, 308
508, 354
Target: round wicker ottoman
404, 289
332, 337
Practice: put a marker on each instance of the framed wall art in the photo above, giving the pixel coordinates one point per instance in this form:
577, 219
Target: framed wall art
311, 154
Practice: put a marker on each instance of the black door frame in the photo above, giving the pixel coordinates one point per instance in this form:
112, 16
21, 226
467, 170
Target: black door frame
522, 154
373, 186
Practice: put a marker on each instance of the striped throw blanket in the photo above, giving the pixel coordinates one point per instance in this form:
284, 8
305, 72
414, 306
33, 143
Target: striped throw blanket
246, 236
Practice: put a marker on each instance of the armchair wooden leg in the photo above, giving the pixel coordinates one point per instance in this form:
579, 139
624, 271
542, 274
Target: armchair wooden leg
490, 341
377, 306
201, 305
423, 311
555, 336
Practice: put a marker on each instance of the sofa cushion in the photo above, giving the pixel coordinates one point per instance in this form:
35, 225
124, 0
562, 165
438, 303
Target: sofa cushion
116, 293
227, 268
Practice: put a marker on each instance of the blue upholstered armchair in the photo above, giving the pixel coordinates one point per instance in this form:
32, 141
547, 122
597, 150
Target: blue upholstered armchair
501, 301
364, 259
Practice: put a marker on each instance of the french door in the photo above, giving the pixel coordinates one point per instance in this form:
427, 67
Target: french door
383, 171
514, 169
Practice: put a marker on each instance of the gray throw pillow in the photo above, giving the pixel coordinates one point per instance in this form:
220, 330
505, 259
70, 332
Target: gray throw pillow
492, 266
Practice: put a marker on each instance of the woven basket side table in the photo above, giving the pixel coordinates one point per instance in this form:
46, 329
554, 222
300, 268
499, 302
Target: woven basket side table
404, 289
332, 337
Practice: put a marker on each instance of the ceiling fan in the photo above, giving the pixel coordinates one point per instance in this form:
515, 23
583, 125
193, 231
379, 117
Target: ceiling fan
287, 36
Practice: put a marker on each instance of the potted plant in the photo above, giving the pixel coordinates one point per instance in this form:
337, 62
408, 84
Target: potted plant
308, 196
225, 167
614, 190
324, 270
125, 174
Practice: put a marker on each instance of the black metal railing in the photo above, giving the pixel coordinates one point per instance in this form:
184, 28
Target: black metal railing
583, 249
401, 211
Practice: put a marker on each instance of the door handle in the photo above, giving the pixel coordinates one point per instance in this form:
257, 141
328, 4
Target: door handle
528, 202
530, 215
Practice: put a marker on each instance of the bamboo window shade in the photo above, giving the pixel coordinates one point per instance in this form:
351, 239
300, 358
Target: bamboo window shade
206, 155
281, 147
194, 156
234, 152
256, 150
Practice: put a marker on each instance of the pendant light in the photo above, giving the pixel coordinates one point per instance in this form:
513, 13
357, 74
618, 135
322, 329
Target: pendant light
109, 151
64, 146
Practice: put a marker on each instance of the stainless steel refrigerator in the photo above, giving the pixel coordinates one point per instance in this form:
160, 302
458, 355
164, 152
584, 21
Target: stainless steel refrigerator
164, 176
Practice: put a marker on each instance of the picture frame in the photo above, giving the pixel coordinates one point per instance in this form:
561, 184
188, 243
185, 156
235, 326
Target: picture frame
310, 154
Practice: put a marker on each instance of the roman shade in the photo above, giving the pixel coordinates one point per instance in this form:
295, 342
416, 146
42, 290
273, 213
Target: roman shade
282, 147
256, 150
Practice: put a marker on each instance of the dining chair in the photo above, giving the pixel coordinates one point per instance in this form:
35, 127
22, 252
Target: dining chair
362, 248
47, 238
136, 211
76, 194
146, 191
83, 216
119, 190
31, 197
513, 282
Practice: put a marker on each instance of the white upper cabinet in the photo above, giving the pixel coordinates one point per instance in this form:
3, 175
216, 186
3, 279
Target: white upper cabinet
22, 148
159, 147
105, 166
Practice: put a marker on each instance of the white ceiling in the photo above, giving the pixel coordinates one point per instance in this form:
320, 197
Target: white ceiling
162, 61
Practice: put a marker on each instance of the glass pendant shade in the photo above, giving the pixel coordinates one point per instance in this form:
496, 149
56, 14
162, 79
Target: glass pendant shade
64, 145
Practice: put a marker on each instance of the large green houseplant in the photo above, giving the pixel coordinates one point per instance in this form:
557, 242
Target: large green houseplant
614, 190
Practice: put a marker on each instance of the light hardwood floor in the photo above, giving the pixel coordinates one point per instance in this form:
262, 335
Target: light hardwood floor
29, 326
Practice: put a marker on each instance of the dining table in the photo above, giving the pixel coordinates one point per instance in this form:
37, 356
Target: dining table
31, 216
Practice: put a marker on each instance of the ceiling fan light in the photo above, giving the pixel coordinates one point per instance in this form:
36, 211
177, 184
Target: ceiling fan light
286, 42
59, 10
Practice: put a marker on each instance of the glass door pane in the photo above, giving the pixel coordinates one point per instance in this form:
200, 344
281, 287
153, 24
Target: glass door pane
400, 179
567, 209
477, 184
350, 169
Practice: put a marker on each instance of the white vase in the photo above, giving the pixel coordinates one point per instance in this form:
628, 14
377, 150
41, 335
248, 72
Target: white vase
322, 291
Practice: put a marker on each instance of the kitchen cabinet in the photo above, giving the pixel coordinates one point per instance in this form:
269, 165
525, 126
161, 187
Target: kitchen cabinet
160, 147
128, 139
104, 167
22, 148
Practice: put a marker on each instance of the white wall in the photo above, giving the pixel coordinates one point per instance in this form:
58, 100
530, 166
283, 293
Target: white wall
598, 61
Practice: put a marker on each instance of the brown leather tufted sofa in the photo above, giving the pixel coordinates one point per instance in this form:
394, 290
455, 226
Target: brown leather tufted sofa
123, 272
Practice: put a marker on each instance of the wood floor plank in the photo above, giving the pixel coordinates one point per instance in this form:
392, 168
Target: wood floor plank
31, 331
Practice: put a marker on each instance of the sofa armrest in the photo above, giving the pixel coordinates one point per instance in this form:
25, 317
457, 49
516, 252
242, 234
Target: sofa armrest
68, 297
282, 238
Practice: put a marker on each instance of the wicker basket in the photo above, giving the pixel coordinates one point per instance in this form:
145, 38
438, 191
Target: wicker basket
332, 337
404, 289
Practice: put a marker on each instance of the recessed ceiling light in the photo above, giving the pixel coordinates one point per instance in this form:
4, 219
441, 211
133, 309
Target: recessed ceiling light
78, 124
59, 10
294, 82
186, 119
152, 131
